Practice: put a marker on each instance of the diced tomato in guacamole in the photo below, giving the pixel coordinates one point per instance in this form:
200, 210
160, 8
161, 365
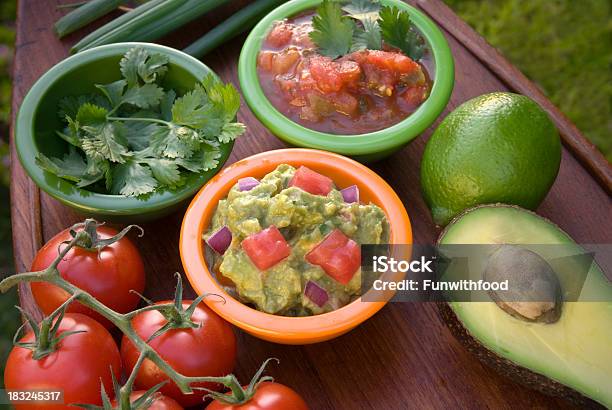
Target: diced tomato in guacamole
338, 255
293, 228
266, 248
311, 181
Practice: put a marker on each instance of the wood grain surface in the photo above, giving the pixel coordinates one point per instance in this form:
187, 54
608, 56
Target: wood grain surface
404, 357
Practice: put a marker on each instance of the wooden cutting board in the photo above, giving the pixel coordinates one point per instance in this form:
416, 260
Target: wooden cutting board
403, 357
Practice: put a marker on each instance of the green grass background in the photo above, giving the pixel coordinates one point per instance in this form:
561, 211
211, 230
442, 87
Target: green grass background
565, 46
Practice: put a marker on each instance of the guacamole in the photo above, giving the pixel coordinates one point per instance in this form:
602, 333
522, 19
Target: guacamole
294, 243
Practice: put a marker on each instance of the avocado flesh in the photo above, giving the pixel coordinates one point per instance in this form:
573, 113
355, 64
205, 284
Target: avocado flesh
577, 349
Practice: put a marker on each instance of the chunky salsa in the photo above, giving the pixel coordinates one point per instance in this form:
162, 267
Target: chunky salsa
289, 244
361, 92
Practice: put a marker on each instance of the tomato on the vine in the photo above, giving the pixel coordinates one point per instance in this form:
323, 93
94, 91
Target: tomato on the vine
206, 350
267, 396
76, 365
108, 274
160, 402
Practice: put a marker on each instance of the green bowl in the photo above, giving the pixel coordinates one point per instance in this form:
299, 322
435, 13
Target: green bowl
364, 147
37, 122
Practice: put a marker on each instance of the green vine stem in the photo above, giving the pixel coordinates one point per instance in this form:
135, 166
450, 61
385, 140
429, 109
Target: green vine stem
123, 323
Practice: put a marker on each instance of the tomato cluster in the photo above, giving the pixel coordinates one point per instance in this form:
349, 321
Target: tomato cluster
81, 357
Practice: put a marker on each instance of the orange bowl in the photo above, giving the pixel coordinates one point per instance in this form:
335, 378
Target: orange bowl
274, 328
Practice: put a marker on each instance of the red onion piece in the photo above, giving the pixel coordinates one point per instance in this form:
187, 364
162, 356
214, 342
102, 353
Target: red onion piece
248, 183
316, 293
220, 240
350, 194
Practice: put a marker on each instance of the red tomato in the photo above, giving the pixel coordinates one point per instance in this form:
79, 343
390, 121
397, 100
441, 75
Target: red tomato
332, 76
161, 402
209, 350
77, 367
311, 181
266, 248
414, 96
108, 275
387, 60
269, 396
338, 255
280, 35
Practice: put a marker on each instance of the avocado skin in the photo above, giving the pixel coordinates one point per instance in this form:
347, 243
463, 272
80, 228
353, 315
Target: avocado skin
509, 369
501, 365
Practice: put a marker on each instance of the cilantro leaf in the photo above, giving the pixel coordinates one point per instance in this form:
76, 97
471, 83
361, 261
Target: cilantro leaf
165, 171
90, 114
130, 62
397, 31
95, 171
73, 168
369, 37
333, 31
138, 134
363, 10
174, 142
195, 110
69, 106
153, 68
105, 142
146, 96
231, 131
113, 91
224, 96
132, 179
204, 159
165, 105
71, 132
70, 167
138, 64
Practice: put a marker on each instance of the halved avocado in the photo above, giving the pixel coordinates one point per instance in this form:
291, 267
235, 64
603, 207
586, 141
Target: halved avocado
571, 357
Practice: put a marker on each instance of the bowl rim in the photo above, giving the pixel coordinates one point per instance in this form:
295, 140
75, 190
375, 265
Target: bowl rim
283, 329
65, 191
359, 144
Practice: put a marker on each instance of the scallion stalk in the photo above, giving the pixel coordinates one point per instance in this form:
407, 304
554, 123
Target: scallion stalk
140, 12
237, 24
156, 23
85, 14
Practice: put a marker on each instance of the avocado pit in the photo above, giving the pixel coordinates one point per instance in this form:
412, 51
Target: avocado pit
534, 292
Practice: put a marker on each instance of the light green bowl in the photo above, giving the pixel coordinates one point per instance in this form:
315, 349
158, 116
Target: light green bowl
37, 122
364, 147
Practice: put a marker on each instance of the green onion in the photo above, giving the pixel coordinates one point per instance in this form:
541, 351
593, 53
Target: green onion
232, 27
181, 16
156, 22
84, 15
138, 12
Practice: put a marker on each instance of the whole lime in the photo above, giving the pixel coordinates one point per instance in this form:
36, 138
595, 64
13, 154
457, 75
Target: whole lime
498, 147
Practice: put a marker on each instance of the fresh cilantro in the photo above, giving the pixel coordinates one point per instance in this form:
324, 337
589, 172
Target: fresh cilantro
135, 137
397, 31
105, 142
333, 31
165, 171
363, 10
146, 96
365, 26
69, 106
138, 64
231, 131
73, 168
132, 179
368, 38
